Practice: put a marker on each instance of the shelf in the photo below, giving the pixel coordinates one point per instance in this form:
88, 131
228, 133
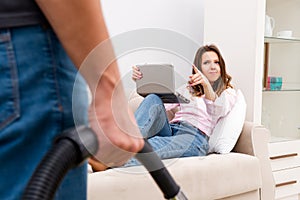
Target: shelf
281, 40
286, 87
283, 90
274, 139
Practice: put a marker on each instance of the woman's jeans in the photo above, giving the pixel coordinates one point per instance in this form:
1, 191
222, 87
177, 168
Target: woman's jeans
168, 140
36, 81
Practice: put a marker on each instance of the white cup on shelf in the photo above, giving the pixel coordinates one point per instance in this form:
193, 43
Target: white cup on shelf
285, 34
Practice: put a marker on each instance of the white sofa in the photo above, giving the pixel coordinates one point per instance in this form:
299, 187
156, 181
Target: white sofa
243, 174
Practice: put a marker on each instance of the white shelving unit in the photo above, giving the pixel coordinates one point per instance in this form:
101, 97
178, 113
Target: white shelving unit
281, 109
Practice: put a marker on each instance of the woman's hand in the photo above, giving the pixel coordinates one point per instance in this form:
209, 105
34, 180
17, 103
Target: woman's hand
198, 78
136, 73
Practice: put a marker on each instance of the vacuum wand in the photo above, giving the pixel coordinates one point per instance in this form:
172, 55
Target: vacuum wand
159, 173
74, 146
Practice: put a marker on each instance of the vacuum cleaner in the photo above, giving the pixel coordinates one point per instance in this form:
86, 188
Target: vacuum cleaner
73, 147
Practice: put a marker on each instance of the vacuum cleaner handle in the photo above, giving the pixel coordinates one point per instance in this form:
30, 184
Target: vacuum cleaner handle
69, 149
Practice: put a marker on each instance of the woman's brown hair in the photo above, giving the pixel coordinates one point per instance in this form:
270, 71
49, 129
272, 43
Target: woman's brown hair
219, 85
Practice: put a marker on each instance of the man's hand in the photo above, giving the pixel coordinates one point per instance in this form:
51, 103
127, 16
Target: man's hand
81, 28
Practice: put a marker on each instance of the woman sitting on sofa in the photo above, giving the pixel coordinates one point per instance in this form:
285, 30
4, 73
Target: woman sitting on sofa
186, 134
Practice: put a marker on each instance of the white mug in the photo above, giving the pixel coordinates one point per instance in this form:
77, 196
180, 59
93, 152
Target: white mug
285, 34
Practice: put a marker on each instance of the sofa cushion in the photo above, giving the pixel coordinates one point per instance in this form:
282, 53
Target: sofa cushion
209, 177
229, 128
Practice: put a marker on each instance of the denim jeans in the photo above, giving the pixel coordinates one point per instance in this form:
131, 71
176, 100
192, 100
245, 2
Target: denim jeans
167, 140
36, 81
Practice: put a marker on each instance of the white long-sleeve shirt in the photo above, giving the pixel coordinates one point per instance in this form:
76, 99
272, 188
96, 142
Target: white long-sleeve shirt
201, 112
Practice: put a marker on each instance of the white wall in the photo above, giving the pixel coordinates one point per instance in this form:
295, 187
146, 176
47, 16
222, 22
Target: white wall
237, 27
154, 31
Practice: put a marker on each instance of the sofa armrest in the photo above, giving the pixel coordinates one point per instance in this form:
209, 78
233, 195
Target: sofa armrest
254, 141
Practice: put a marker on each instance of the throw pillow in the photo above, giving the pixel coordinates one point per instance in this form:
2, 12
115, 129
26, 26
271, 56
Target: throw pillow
229, 128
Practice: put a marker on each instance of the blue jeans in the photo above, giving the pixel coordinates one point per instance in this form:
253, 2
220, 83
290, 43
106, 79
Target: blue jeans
36, 81
168, 140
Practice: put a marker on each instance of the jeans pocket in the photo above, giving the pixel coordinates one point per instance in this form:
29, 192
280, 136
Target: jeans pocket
9, 94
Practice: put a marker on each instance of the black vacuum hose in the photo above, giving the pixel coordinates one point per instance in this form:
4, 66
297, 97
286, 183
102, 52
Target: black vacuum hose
74, 146
69, 150
159, 173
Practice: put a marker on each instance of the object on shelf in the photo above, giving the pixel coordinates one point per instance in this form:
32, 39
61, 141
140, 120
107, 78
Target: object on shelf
285, 34
274, 83
269, 25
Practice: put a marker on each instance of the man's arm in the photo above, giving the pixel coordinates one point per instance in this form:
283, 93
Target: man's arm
80, 26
